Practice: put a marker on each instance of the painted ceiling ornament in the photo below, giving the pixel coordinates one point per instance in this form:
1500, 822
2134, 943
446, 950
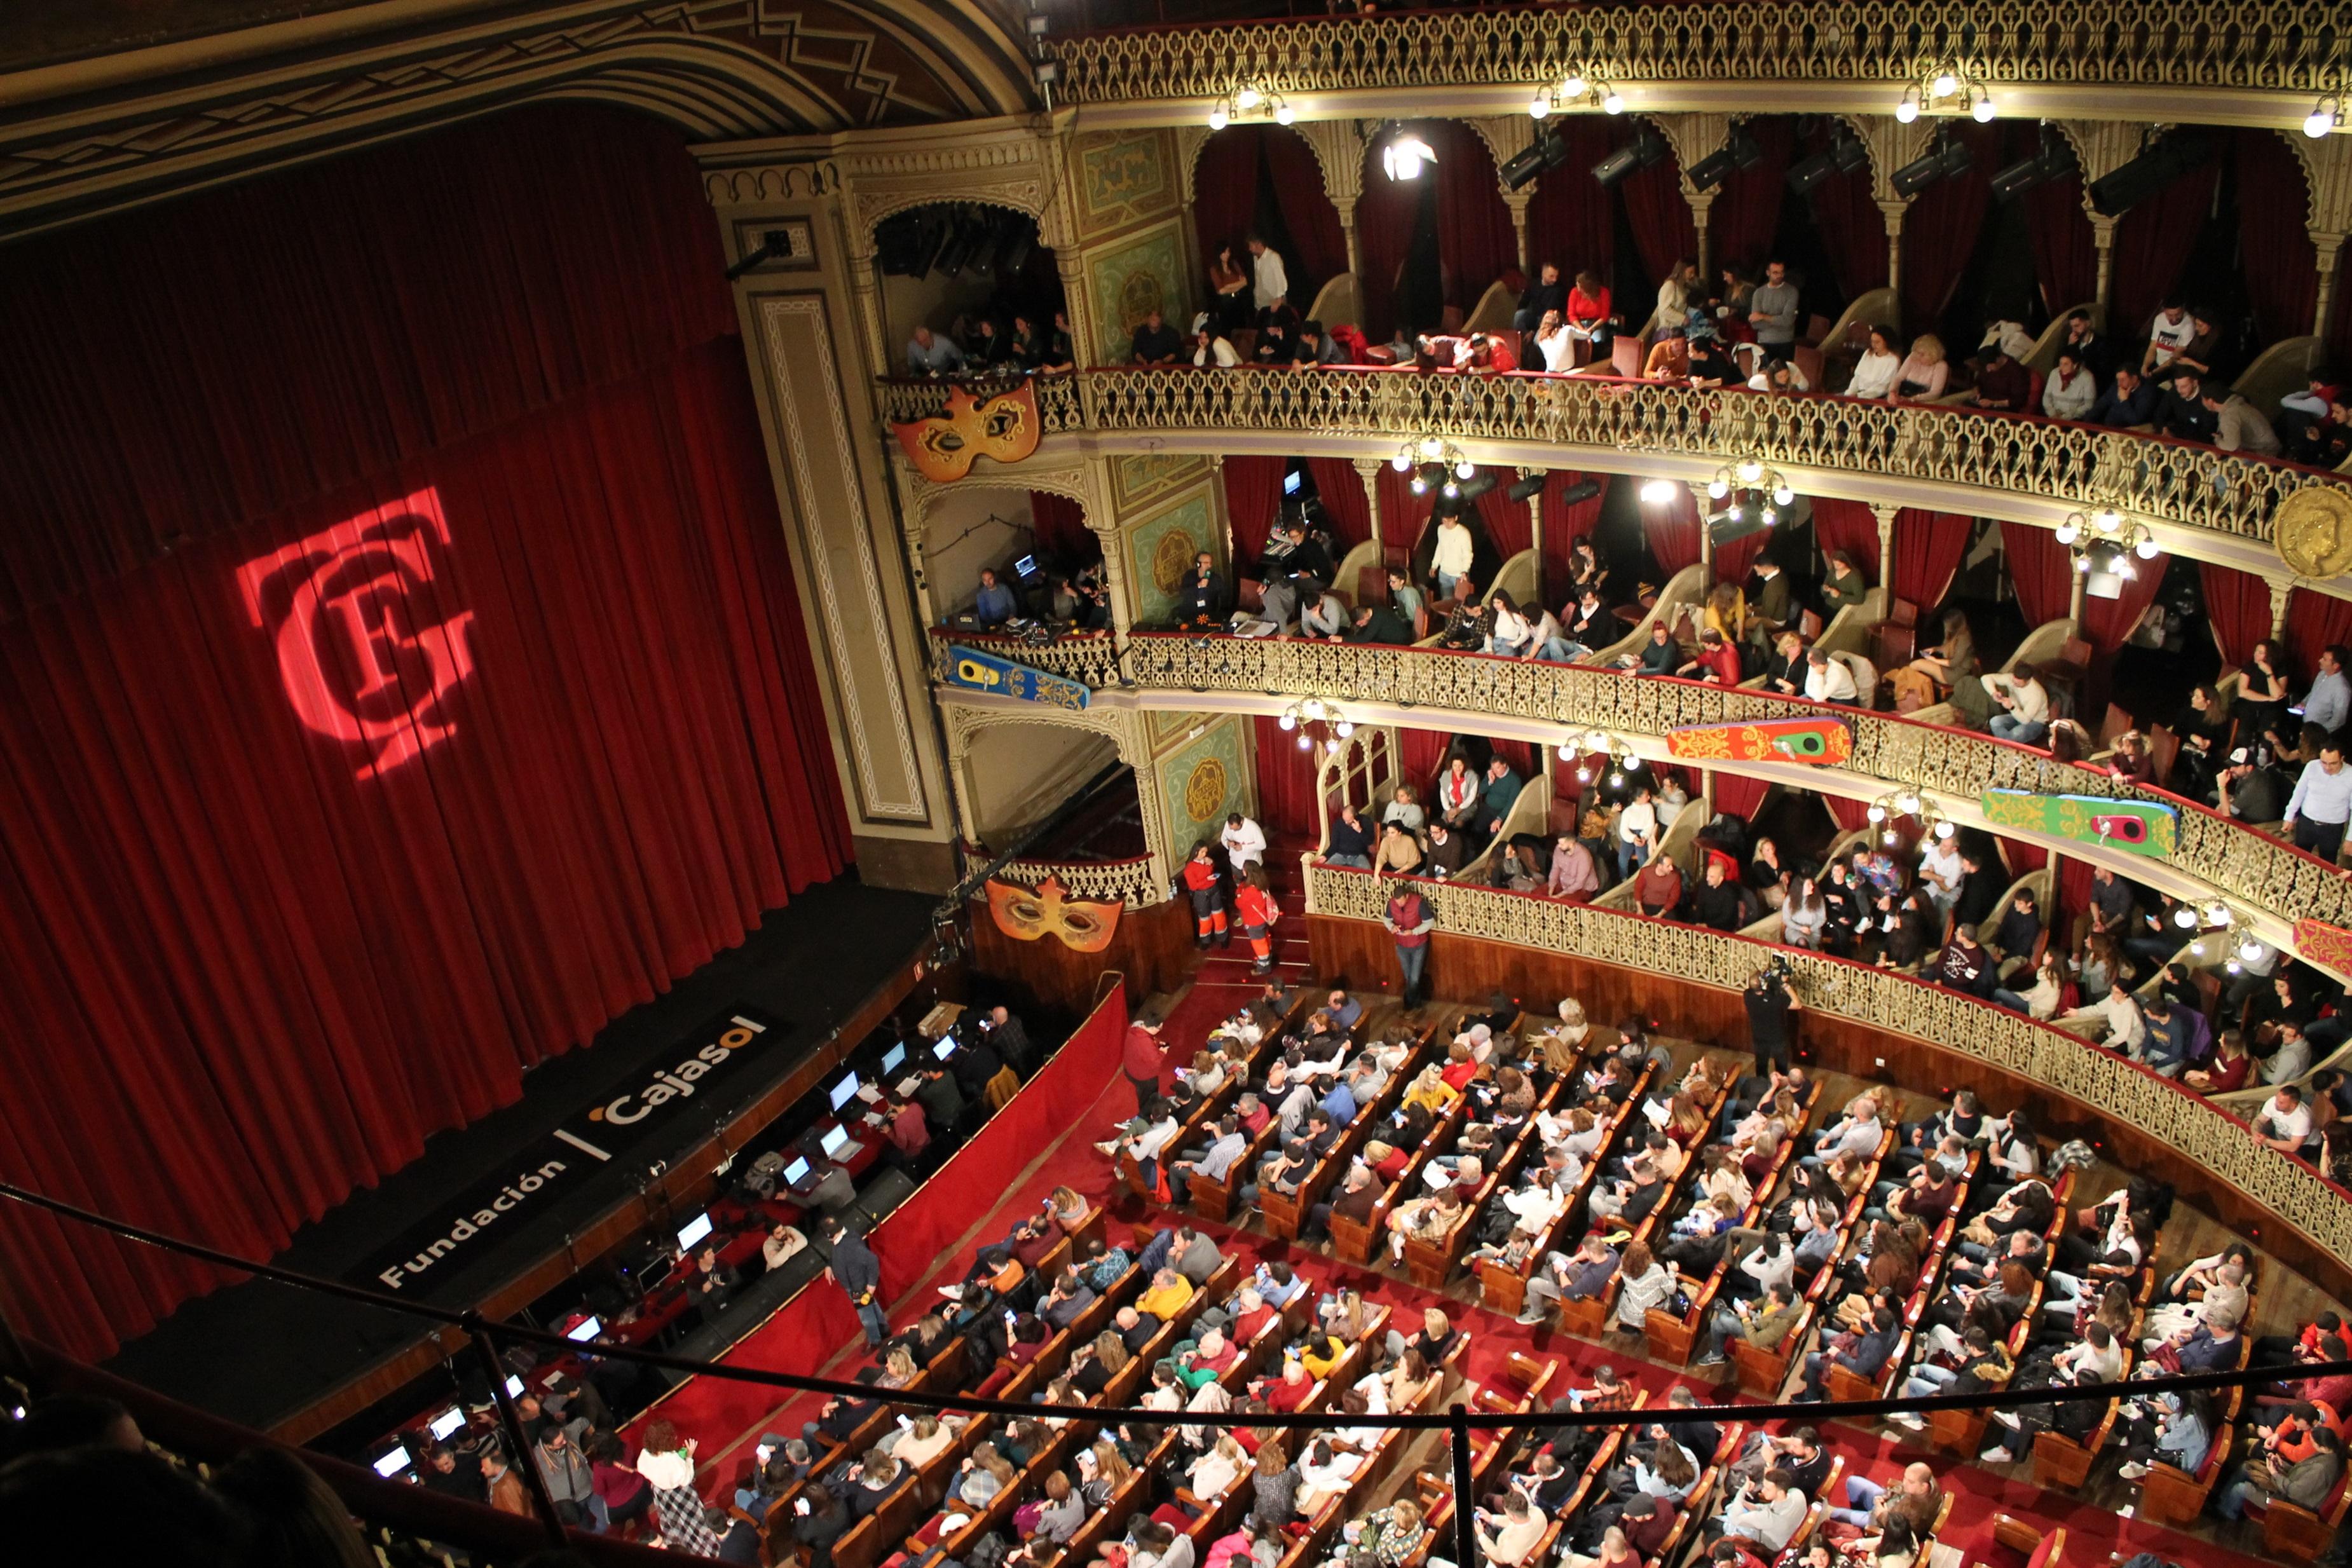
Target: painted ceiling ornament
943, 448
1027, 913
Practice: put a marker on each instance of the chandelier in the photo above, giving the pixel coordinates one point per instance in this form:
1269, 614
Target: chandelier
1755, 476
2324, 115
1945, 87
1897, 804
1596, 750
2104, 539
1315, 721
1577, 87
1251, 100
1432, 460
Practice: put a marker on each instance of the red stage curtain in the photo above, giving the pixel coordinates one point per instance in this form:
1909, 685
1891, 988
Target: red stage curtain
2238, 607
1224, 189
1852, 225
291, 967
1402, 514
1314, 221
177, 370
2041, 570
1342, 489
1252, 494
1508, 524
2152, 246
1565, 524
1848, 814
1851, 526
2073, 890
1423, 751
2024, 858
2107, 622
1475, 236
1285, 780
1661, 216
1928, 551
1732, 560
1060, 524
1672, 529
1571, 223
1738, 794
2282, 267
2065, 254
2313, 620
1939, 232
2340, 315
1746, 213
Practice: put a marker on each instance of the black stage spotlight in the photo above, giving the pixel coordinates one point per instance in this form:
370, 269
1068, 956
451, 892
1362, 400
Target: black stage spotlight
1583, 490
2054, 159
2151, 172
1549, 150
1647, 148
1526, 489
1843, 156
1477, 485
1946, 158
1739, 152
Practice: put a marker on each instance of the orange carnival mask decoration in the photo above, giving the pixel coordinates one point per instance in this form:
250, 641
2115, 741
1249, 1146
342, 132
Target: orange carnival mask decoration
1005, 427
1026, 913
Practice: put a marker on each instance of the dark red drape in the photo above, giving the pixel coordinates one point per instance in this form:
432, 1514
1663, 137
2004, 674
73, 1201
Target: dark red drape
2238, 607
1224, 188
1342, 490
2282, 267
280, 967
2024, 858
1733, 560
1508, 524
1571, 222
1060, 524
1737, 794
1285, 778
2041, 570
1672, 529
1402, 514
1663, 227
1314, 221
1852, 225
2153, 242
2065, 254
1475, 242
1565, 524
176, 372
1423, 750
1941, 227
2315, 620
1850, 527
2107, 622
1747, 209
1848, 814
1927, 549
1252, 494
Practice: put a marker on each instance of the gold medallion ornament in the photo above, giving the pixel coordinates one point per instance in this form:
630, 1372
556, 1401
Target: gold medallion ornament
2315, 530
1172, 558
1204, 792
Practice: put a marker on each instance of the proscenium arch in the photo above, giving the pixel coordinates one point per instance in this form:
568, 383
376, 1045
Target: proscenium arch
885, 208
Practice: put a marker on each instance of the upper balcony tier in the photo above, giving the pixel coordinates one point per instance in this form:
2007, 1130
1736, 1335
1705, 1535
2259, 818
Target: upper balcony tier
2199, 502
2229, 64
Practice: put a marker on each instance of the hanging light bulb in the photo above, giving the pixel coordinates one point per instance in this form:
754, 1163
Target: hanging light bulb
1283, 114
1540, 106
1451, 491
1345, 727
2233, 967
1770, 517
2083, 564
1892, 838
1584, 776
2217, 915
1613, 104
1306, 741
1633, 765
2319, 121
2197, 949
1906, 111
1945, 829
1218, 119
1784, 494
1288, 721
1432, 447
1946, 84
2145, 547
1401, 462
1616, 778
2106, 519
1717, 490
1596, 740
1565, 754
1248, 98
1312, 708
2250, 949
1908, 802
1465, 469
1877, 812
1419, 486
1330, 745
2068, 531
1982, 112
1575, 86
1751, 470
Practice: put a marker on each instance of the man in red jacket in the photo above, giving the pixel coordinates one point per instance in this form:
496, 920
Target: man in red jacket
1141, 1059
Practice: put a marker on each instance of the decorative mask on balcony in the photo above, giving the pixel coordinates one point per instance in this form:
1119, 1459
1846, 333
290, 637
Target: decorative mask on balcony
1026, 913
943, 448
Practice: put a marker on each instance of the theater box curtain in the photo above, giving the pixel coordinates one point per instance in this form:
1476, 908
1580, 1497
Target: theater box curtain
401, 675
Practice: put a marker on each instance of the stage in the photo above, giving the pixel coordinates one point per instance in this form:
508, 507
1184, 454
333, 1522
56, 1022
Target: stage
274, 1358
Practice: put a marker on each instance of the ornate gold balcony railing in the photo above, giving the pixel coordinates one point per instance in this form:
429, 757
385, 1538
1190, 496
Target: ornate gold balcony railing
2066, 1064
2247, 45
2252, 869
1998, 459
1130, 882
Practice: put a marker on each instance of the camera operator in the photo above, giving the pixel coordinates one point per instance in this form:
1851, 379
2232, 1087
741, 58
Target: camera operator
1770, 1028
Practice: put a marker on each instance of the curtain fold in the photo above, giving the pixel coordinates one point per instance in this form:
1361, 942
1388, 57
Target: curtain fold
1928, 551
1285, 778
1850, 527
2041, 570
2153, 243
1733, 560
1663, 230
1564, 524
1850, 221
1672, 529
1298, 186
1476, 241
1508, 523
2282, 265
1224, 188
2065, 251
176, 371
258, 948
1940, 229
2238, 608
1252, 495
1746, 212
2317, 620
1738, 794
1344, 502
1060, 526
1571, 222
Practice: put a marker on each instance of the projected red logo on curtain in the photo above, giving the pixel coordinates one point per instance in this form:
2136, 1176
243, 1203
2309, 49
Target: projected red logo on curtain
353, 609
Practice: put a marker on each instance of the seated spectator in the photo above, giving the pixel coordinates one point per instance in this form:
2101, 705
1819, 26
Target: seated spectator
1843, 587
1669, 356
994, 605
2238, 425
928, 355
1155, 342
2090, 346
1718, 661
1316, 347
2181, 411
1662, 656
1589, 313
1828, 680
1210, 347
1923, 374
2027, 702
2169, 334
1779, 376
1554, 346
2072, 390
1350, 843
1711, 364
1545, 295
2003, 383
1574, 876
2130, 401
1487, 352
1874, 371
2314, 425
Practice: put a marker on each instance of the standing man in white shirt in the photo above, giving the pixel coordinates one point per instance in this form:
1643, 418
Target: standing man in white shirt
1637, 832
2322, 803
1244, 841
1453, 554
2329, 702
1270, 285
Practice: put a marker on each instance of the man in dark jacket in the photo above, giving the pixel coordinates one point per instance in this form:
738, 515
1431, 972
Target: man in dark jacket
1377, 623
853, 1266
1544, 292
2128, 401
2183, 413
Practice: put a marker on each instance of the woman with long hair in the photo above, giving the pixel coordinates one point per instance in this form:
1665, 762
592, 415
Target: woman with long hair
1229, 277
1874, 373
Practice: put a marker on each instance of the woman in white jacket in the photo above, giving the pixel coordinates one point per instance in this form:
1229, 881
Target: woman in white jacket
1874, 373
668, 1465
